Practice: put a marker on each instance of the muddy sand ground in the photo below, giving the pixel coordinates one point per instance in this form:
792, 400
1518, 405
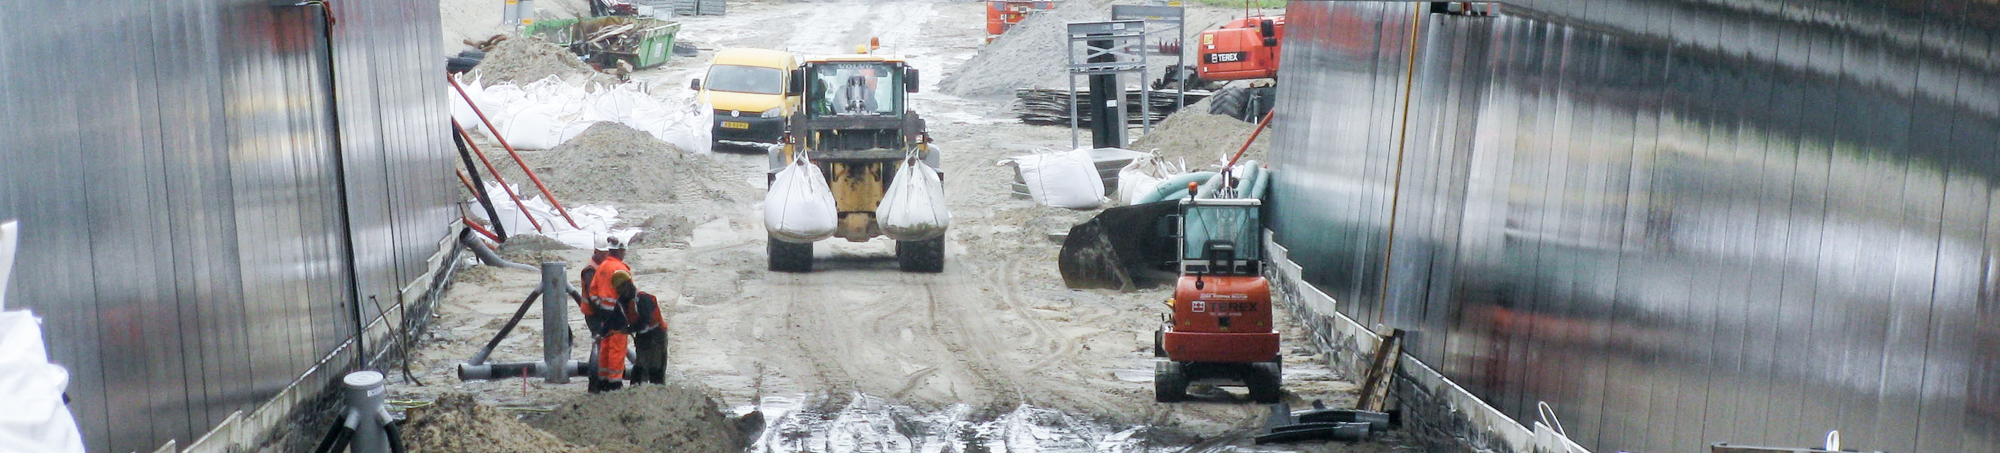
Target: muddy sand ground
994, 351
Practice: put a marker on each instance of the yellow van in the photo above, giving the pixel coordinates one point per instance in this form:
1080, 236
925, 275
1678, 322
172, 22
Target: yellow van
747, 89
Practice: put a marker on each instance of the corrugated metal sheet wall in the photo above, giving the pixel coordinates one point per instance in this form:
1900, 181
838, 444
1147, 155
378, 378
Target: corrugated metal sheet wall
1679, 222
172, 165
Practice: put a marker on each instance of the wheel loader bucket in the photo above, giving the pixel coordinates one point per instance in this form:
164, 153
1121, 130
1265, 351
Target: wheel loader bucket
1122, 248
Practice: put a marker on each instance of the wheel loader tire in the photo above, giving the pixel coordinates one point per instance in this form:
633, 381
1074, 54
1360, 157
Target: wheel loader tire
789, 257
921, 256
1169, 382
1229, 102
1266, 382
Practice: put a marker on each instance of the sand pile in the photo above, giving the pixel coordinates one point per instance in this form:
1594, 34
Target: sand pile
614, 163
673, 417
1203, 139
1028, 55
457, 424
521, 60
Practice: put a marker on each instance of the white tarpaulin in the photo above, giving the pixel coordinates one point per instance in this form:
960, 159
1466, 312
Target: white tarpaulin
1065, 179
548, 112
591, 220
914, 207
35, 419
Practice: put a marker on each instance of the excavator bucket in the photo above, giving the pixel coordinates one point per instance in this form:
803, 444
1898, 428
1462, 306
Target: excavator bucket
1122, 248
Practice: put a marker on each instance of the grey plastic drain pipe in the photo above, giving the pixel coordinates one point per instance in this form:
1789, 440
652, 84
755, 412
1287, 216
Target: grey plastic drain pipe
366, 417
555, 366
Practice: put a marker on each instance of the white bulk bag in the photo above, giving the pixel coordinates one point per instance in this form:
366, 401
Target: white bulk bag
36, 418
534, 128
799, 208
1140, 177
914, 207
1066, 179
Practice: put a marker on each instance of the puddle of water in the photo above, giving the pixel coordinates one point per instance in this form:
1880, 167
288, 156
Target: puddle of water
869, 424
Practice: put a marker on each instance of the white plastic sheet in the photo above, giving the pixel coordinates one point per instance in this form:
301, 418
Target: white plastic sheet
1065, 179
800, 207
591, 220
1144, 174
36, 420
548, 112
914, 207
9, 235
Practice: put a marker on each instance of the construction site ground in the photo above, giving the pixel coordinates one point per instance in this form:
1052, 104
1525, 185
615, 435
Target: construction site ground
847, 357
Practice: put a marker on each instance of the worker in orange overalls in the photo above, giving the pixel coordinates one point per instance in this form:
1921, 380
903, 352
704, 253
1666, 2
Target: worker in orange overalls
607, 282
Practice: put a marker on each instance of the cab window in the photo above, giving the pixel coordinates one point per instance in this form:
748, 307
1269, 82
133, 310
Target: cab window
746, 79
856, 89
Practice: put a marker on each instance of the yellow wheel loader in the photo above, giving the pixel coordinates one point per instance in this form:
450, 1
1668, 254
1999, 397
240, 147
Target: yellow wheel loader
854, 123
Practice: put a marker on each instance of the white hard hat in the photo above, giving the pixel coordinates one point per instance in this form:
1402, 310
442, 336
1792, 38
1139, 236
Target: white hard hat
607, 242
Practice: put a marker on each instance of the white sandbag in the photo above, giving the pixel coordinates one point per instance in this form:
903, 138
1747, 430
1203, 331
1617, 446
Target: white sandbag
914, 207
1066, 179
799, 208
1139, 178
36, 419
537, 127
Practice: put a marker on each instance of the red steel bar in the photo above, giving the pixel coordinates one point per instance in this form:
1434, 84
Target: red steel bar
496, 174
482, 230
510, 152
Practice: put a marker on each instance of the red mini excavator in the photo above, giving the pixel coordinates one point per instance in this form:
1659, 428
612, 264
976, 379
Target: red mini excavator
1220, 330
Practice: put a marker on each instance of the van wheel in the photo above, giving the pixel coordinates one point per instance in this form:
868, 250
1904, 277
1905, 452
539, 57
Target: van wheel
789, 257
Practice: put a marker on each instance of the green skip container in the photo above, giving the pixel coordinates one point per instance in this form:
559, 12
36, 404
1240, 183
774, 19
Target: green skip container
604, 41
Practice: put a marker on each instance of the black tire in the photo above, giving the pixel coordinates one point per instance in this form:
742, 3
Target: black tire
1229, 102
789, 257
1169, 382
1266, 382
921, 256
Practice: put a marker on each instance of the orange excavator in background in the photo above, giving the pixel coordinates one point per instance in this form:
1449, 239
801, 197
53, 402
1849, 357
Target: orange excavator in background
1002, 15
1243, 49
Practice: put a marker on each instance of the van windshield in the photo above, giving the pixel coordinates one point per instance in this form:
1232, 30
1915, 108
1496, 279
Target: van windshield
746, 79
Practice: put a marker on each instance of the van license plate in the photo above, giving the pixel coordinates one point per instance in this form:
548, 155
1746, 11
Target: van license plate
735, 125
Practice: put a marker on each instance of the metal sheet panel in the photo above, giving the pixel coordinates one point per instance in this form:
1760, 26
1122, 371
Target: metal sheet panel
174, 175
1677, 222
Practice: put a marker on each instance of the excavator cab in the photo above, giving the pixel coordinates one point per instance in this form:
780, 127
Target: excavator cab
1219, 331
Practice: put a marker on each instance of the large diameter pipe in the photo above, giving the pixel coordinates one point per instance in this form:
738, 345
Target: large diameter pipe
492, 371
555, 322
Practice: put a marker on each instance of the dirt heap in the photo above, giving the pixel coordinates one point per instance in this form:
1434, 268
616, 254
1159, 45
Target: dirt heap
457, 424
614, 163
525, 59
1203, 139
1029, 54
672, 417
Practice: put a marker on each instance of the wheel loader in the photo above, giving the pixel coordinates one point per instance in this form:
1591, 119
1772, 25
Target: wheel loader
1219, 331
855, 124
